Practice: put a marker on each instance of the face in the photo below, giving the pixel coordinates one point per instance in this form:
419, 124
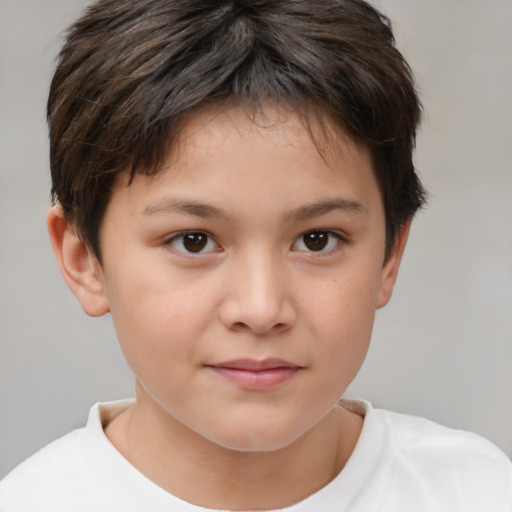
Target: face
243, 278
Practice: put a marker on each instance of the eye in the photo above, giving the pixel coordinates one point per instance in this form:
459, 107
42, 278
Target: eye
192, 242
318, 241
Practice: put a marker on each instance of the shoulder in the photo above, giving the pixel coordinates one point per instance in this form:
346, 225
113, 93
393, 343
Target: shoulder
418, 436
448, 462
55, 464
404, 462
62, 472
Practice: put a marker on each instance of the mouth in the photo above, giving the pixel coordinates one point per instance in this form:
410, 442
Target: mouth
252, 374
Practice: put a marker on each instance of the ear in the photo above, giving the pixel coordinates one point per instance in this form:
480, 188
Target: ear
77, 264
390, 268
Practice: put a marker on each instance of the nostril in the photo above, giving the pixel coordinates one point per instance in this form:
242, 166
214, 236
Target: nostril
242, 325
239, 325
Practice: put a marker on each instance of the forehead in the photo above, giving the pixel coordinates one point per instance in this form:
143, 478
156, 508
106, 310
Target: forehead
259, 155
284, 126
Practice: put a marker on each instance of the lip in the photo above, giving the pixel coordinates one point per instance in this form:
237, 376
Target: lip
253, 374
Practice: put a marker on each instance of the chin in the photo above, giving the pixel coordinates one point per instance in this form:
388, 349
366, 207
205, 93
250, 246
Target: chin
256, 438
255, 445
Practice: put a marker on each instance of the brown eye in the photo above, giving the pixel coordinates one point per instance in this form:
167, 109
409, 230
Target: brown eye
192, 242
316, 240
320, 241
195, 242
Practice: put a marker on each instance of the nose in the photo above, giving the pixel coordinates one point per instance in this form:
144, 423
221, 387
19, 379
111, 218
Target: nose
258, 296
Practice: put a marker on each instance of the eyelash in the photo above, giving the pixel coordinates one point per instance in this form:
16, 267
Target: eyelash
180, 236
340, 240
331, 234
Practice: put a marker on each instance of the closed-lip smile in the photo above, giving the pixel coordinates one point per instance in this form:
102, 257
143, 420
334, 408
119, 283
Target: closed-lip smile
254, 374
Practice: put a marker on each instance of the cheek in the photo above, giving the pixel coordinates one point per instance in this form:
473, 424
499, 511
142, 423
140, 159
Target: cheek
345, 303
158, 321
341, 316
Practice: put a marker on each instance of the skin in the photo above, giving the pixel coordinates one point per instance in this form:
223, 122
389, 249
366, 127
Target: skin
256, 290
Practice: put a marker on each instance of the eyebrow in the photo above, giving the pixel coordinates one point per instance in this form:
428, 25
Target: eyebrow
188, 207
205, 210
326, 206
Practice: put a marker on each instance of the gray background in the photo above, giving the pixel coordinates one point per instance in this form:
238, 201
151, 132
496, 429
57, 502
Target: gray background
441, 349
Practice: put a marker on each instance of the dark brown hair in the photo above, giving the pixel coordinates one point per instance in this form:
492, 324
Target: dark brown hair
131, 71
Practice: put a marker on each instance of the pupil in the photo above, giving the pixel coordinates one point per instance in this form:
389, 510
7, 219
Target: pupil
195, 242
316, 241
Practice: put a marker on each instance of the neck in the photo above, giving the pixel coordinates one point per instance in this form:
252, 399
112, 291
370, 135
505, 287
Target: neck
203, 473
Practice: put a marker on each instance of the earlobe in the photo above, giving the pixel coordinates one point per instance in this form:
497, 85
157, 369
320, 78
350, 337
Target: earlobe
391, 266
77, 264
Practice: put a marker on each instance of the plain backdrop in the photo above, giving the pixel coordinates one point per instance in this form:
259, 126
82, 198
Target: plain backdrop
441, 349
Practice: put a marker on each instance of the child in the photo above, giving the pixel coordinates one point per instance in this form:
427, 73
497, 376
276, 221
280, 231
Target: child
233, 182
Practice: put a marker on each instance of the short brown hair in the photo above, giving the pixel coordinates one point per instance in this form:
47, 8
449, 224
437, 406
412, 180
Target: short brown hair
131, 70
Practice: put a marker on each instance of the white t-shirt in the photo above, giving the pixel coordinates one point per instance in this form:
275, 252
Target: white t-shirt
400, 464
